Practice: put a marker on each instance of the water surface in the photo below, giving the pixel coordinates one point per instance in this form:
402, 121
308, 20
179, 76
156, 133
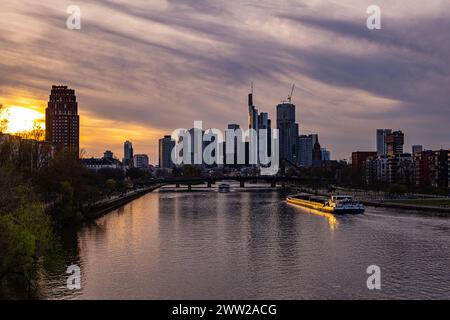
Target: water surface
252, 245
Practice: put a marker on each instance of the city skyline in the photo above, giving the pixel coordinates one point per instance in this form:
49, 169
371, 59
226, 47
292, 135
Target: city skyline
204, 68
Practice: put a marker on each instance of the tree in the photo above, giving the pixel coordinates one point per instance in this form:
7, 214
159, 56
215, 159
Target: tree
190, 171
110, 185
3, 119
397, 189
26, 237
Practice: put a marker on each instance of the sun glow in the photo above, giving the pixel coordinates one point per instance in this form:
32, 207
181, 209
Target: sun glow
20, 119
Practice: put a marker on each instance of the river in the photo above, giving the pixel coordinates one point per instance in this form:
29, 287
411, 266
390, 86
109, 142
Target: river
252, 245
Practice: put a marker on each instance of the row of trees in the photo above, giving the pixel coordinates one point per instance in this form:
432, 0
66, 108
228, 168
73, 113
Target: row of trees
40, 195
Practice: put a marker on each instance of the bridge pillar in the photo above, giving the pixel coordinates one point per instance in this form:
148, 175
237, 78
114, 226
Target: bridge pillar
273, 184
242, 183
189, 187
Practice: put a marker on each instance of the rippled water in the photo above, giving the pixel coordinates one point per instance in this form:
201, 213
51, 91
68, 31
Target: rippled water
252, 245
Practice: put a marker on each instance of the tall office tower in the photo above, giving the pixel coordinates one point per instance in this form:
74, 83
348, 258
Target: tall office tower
127, 153
197, 146
62, 127
394, 143
166, 145
305, 143
233, 162
417, 149
288, 130
381, 141
265, 123
252, 112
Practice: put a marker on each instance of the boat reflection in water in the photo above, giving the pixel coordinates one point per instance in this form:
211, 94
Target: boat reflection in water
332, 220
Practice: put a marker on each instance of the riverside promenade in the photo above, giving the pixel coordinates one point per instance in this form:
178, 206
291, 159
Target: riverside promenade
105, 206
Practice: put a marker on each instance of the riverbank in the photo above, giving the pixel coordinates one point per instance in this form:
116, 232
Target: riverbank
430, 210
100, 209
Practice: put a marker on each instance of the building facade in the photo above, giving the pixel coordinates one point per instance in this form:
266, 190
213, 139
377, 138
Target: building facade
141, 161
394, 143
252, 113
416, 149
381, 141
96, 164
62, 127
288, 131
127, 153
108, 154
432, 168
166, 144
306, 145
326, 155
359, 158
401, 169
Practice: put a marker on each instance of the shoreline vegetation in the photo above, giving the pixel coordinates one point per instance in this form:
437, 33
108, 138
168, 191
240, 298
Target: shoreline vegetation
41, 197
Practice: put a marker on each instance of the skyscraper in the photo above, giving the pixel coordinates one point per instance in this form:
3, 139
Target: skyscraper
166, 145
288, 131
305, 150
265, 123
234, 155
128, 153
62, 127
306, 145
381, 141
252, 112
394, 143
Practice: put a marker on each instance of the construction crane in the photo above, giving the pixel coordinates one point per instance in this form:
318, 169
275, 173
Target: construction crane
292, 92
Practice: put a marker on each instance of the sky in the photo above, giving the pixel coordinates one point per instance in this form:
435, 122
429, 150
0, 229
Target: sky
143, 68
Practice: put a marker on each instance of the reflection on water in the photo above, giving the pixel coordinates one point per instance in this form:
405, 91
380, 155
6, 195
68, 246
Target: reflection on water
252, 245
332, 220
